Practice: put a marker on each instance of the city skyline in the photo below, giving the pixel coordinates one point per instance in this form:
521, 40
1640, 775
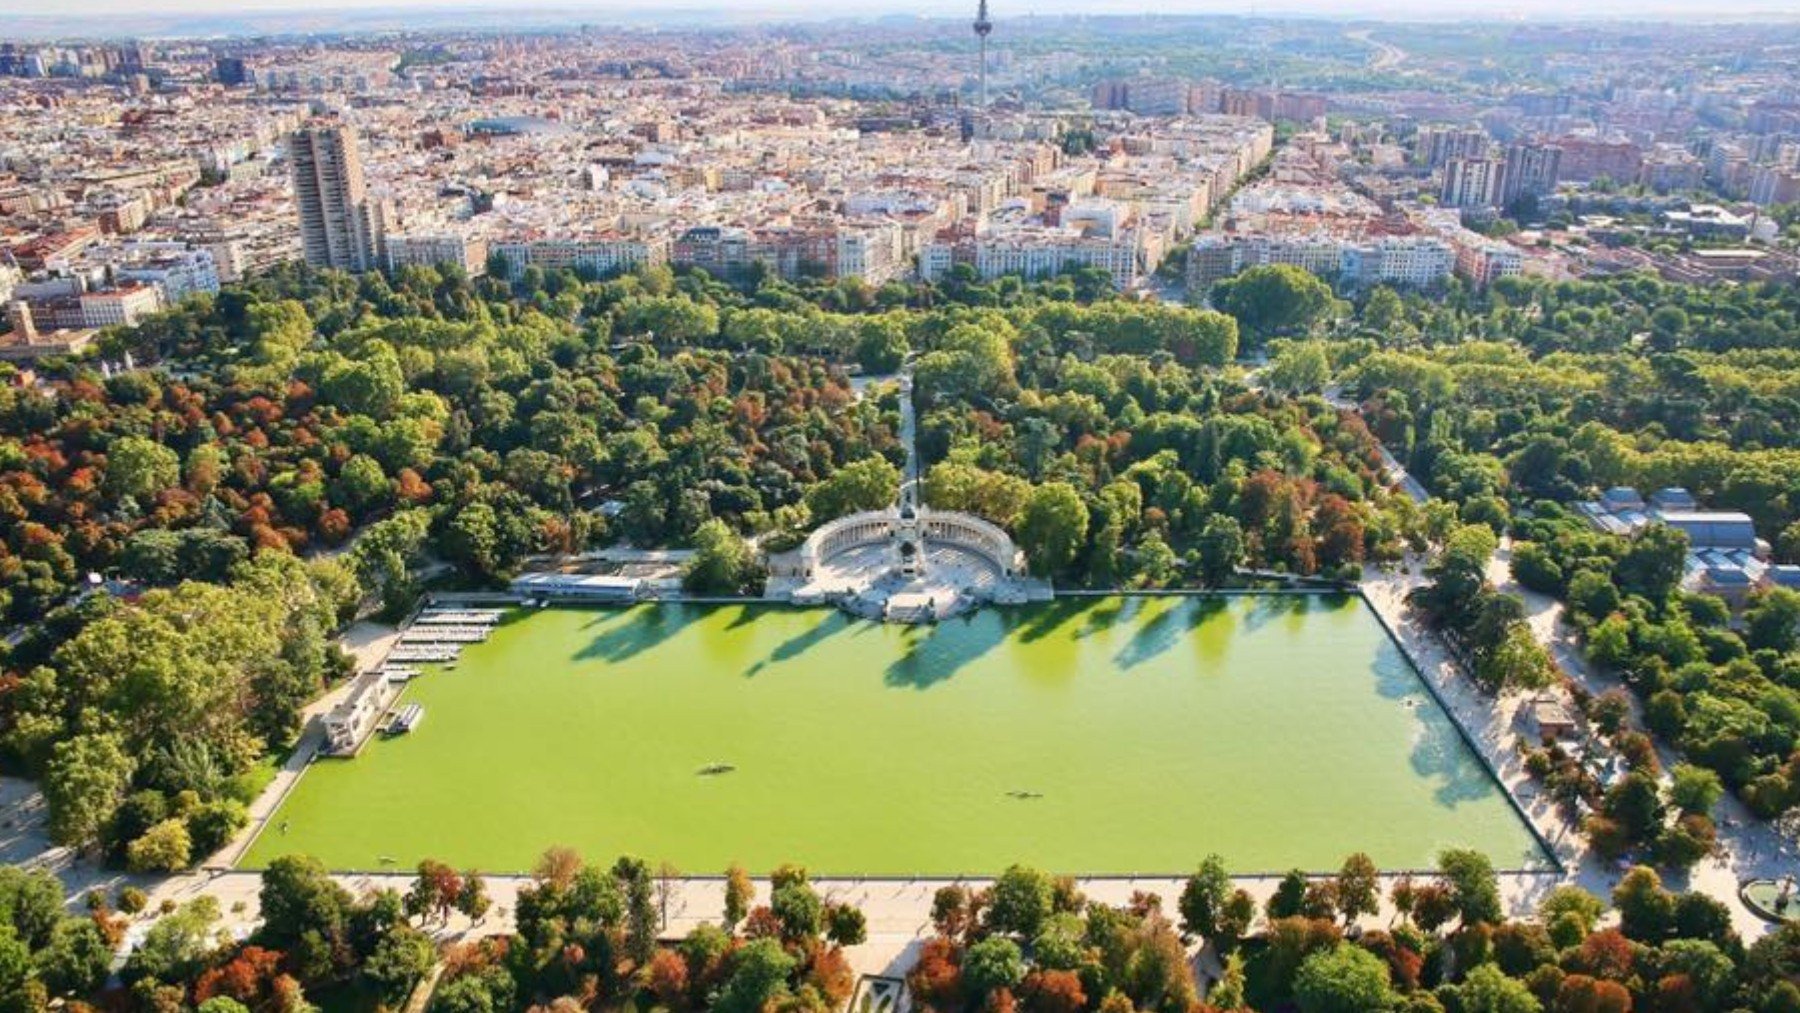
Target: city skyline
796, 10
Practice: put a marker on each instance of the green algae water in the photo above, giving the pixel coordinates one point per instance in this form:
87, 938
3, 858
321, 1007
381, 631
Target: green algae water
1104, 736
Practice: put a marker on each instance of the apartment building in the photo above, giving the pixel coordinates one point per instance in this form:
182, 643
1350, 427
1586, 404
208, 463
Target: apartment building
1531, 170
339, 227
1473, 183
601, 255
1437, 147
437, 248
1041, 251
122, 306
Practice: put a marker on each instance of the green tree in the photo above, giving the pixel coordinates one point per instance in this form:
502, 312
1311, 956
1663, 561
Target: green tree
1221, 549
140, 468
84, 783
1052, 527
722, 562
1653, 564
1694, 789
1474, 888
1299, 367
868, 484
371, 384
165, 847
881, 345
994, 963
473, 900
1358, 888
1580, 909
362, 485
1022, 898
1384, 312
799, 909
1343, 979
739, 892
1289, 896
758, 973
32, 902
401, 959
1518, 661
77, 958
299, 896
1204, 897
1773, 620
1487, 990
1645, 908
845, 924
178, 945
1273, 299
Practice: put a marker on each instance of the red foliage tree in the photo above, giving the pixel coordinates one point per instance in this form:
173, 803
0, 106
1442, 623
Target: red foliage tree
830, 973
253, 977
1580, 993
1606, 954
1053, 992
669, 979
936, 980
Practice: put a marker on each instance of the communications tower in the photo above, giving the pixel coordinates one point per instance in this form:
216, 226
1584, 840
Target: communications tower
983, 28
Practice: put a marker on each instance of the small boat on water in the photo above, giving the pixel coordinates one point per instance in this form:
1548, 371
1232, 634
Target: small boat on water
404, 720
1024, 795
712, 769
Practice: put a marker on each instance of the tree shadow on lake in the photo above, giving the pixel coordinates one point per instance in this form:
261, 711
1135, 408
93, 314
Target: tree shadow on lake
1267, 608
834, 623
1440, 754
638, 630
1167, 628
1041, 621
933, 654
1104, 613
746, 614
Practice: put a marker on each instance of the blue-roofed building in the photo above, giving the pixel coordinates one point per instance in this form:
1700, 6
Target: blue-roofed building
1673, 498
1784, 575
1713, 529
1620, 499
1725, 557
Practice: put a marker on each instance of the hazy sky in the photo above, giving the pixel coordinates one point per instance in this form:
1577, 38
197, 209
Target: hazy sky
1435, 9
935, 8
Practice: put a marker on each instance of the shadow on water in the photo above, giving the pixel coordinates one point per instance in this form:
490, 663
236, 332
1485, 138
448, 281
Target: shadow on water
1268, 608
1043, 620
832, 624
1439, 752
1103, 614
607, 616
746, 615
642, 629
1173, 625
935, 653
1151, 637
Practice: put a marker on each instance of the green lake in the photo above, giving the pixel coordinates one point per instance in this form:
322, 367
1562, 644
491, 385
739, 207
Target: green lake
1096, 735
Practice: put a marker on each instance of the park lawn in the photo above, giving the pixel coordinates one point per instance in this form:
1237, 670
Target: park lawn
1100, 736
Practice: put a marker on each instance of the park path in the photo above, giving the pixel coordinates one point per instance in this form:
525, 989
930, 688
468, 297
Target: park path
369, 643
1748, 848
